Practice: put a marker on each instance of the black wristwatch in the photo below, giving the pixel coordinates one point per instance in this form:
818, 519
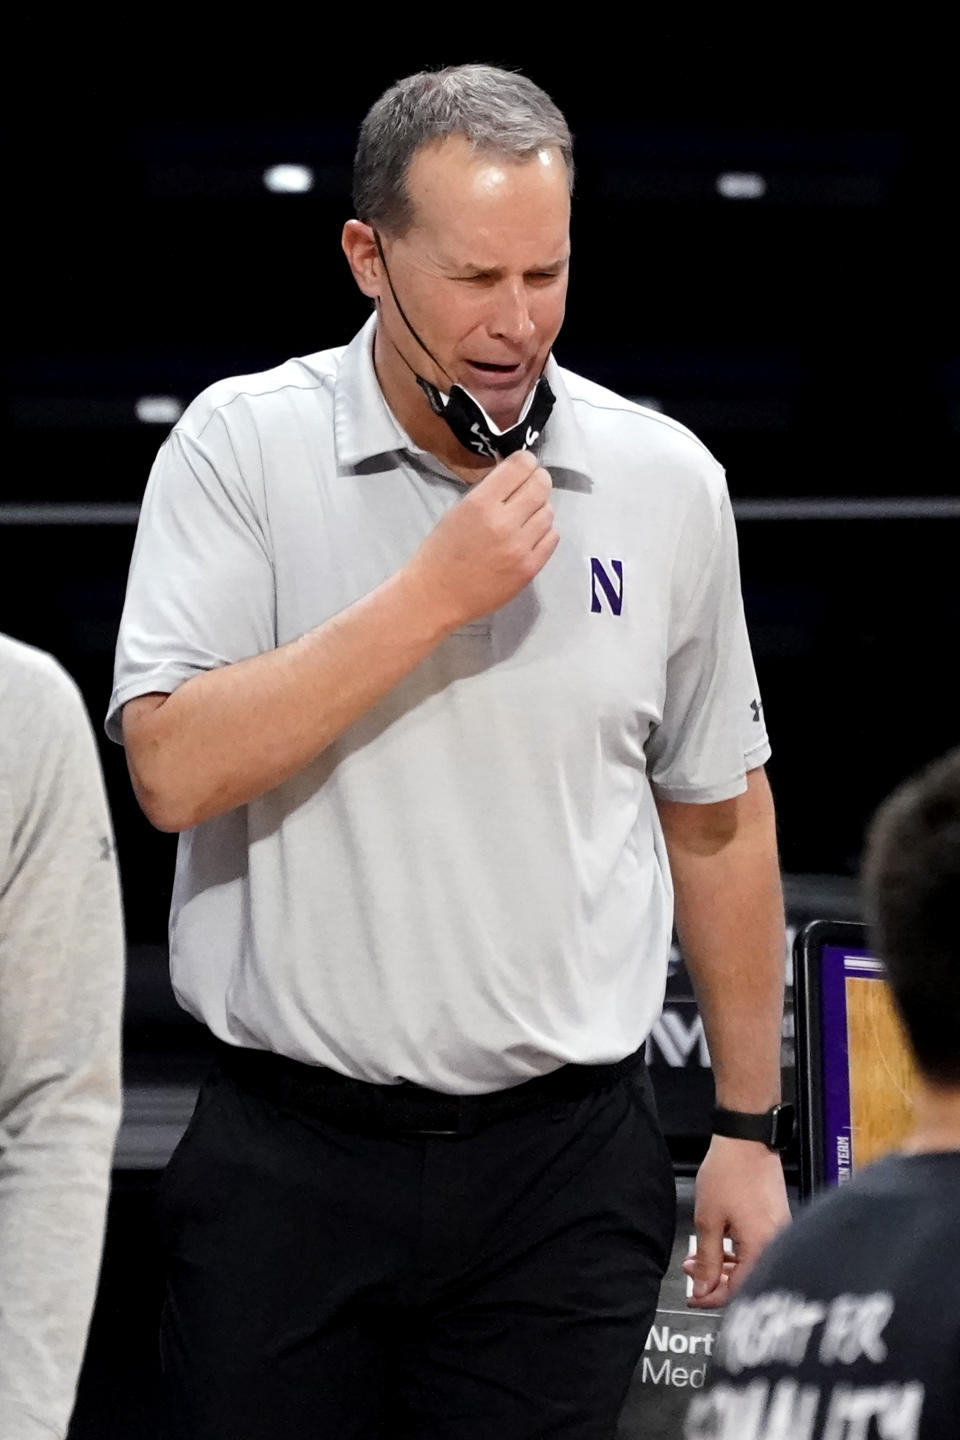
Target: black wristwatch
774, 1128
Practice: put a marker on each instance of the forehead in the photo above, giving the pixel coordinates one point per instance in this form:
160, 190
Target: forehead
475, 200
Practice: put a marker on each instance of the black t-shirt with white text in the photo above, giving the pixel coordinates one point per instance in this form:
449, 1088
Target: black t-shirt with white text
848, 1328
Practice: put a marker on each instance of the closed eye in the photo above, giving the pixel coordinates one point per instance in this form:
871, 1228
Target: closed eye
486, 278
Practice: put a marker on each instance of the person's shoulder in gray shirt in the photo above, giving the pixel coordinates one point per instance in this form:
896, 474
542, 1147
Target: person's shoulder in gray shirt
61, 994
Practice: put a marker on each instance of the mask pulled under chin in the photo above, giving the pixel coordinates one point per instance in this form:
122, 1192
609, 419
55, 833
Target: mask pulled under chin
476, 431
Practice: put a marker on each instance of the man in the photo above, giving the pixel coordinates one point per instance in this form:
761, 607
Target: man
61, 992
415, 633
850, 1324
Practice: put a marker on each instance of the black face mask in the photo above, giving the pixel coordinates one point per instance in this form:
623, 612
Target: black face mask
476, 431
466, 417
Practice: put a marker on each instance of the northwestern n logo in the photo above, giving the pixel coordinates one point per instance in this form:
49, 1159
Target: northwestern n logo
600, 581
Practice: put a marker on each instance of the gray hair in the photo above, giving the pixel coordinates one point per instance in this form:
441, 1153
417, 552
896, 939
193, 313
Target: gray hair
497, 110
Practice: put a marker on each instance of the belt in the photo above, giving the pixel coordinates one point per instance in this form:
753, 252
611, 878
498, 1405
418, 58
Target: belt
405, 1108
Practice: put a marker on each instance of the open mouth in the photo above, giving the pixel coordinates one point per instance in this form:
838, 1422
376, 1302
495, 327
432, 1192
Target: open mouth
497, 377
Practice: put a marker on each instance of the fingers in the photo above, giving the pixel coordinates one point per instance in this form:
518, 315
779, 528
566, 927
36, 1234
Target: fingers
531, 497
716, 1268
529, 500
705, 1267
507, 477
712, 1288
738, 1273
721, 1293
519, 484
546, 545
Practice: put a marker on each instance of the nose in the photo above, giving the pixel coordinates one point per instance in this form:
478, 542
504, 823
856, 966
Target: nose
510, 319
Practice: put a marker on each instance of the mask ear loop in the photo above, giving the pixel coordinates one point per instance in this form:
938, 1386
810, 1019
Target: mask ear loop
396, 301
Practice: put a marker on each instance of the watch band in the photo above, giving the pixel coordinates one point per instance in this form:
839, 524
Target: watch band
773, 1128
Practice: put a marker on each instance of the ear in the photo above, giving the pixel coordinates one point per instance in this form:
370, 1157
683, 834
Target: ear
360, 248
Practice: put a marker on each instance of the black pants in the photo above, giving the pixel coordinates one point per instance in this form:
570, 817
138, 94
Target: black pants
331, 1282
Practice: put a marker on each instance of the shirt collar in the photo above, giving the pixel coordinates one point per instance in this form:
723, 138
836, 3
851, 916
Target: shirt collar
365, 426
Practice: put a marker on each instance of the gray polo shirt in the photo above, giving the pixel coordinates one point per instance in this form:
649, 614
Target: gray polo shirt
470, 887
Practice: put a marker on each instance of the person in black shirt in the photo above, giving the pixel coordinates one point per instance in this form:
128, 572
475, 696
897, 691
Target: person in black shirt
849, 1326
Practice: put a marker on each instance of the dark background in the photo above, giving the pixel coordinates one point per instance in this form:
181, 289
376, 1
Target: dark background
809, 336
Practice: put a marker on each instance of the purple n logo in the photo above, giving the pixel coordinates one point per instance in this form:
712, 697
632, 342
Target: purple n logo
600, 578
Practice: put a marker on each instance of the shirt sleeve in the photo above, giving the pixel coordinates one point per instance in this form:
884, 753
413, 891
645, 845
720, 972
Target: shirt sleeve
712, 730
201, 590
61, 994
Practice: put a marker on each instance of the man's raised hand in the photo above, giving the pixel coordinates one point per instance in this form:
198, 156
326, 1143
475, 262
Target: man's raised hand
491, 544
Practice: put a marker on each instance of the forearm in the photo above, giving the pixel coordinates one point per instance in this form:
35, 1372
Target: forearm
730, 923
232, 734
